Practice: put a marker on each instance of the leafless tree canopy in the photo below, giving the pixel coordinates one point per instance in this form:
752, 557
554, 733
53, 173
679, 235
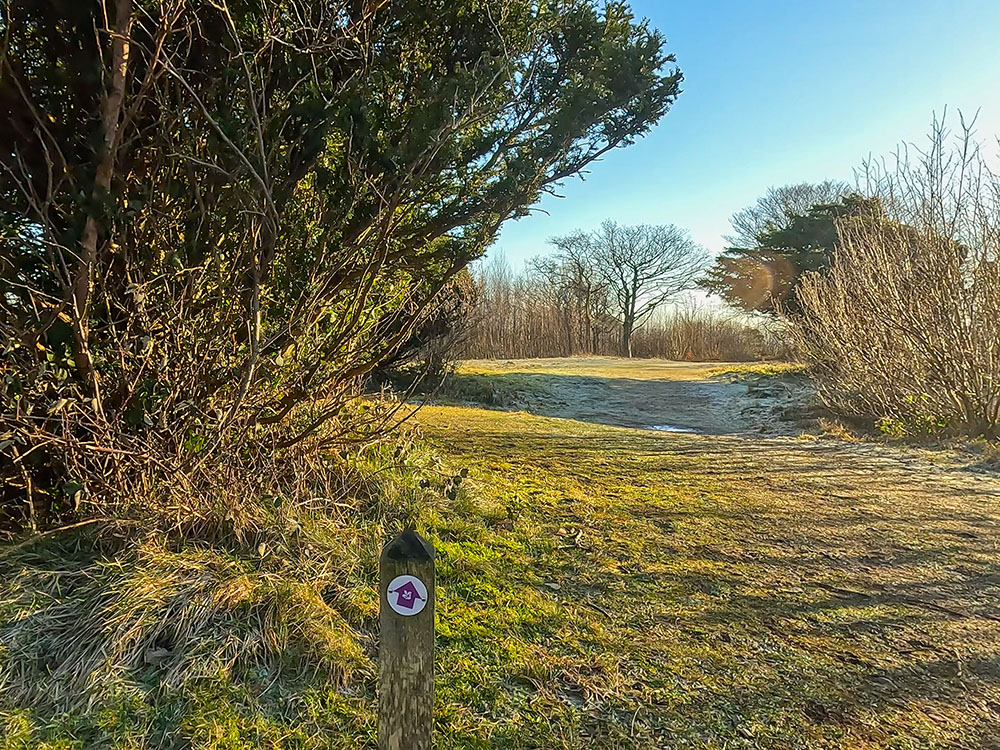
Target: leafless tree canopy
642, 267
778, 206
558, 308
608, 281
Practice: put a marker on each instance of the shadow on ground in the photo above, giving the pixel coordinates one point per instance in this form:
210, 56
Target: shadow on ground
709, 406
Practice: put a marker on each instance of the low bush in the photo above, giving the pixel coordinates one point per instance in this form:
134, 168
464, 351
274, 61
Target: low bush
903, 331
113, 613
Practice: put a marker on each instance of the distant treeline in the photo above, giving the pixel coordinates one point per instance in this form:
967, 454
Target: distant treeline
532, 313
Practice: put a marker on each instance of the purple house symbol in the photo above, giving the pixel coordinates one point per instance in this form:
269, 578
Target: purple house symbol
407, 595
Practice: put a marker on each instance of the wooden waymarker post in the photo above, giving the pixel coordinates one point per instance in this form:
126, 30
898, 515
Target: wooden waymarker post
406, 653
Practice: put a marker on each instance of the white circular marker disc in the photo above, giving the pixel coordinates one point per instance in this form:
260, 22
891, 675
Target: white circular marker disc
407, 595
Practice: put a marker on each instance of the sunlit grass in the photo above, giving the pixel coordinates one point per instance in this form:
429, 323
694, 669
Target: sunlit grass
599, 367
758, 369
598, 588
684, 604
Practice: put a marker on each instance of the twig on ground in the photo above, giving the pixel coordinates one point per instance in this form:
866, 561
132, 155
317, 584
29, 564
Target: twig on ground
598, 607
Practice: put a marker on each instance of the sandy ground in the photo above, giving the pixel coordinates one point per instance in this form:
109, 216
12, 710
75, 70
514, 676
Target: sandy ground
692, 398
658, 394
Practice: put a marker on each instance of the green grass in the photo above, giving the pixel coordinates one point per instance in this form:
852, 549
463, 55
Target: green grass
598, 588
758, 370
503, 391
656, 623
622, 596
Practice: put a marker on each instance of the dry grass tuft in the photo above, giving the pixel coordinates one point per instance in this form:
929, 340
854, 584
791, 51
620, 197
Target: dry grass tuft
153, 616
122, 613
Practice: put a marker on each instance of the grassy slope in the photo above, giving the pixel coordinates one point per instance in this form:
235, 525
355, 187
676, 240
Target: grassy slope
608, 588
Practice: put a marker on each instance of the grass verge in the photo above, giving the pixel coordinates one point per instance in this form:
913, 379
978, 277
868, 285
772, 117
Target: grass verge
755, 370
598, 588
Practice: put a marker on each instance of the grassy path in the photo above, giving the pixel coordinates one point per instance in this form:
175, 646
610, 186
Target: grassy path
616, 588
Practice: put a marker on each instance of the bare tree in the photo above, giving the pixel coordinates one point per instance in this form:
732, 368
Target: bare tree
642, 266
775, 209
542, 311
579, 289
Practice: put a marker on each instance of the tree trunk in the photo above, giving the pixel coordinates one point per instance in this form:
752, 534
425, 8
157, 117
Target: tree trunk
568, 323
111, 108
628, 319
627, 338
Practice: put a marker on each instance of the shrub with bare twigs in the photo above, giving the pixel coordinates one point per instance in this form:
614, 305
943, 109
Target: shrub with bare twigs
228, 215
904, 330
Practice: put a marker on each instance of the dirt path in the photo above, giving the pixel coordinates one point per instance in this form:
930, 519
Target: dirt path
671, 397
881, 501
692, 397
882, 490
645, 394
715, 422
624, 393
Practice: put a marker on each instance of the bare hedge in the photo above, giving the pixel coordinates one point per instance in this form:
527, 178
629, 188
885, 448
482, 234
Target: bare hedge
905, 328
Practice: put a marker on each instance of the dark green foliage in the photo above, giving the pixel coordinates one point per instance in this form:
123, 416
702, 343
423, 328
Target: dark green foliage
427, 357
764, 277
213, 233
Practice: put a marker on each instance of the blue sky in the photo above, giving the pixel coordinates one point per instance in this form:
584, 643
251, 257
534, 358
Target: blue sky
779, 92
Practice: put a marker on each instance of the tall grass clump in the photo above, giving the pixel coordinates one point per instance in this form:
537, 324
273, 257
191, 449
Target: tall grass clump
94, 614
116, 634
903, 331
